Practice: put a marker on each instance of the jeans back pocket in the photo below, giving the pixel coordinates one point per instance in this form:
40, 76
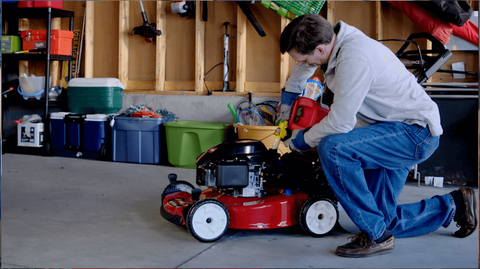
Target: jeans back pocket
427, 147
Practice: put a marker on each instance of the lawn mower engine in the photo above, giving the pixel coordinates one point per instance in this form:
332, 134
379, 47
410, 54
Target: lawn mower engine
238, 168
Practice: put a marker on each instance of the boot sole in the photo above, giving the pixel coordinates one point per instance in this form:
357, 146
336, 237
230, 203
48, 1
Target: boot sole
347, 255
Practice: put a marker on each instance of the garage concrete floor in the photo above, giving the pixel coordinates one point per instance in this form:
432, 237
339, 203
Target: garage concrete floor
60, 212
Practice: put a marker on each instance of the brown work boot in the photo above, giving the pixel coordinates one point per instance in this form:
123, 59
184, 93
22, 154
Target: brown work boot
362, 246
468, 221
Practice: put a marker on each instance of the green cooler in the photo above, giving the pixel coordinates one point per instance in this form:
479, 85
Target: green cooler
95, 95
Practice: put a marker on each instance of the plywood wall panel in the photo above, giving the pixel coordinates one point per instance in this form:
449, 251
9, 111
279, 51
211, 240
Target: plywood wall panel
218, 14
356, 13
180, 48
263, 53
141, 66
105, 36
78, 8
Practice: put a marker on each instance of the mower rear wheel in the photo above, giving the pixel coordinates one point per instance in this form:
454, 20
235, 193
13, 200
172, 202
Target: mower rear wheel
318, 216
179, 186
207, 220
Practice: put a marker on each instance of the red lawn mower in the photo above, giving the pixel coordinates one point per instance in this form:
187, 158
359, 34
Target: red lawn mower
251, 187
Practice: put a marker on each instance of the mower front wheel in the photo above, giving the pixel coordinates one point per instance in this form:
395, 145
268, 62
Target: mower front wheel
318, 216
207, 220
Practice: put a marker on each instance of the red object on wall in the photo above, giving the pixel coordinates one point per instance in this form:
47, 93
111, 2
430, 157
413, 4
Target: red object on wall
468, 31
61, 41
305, 113
38, 4
439, 29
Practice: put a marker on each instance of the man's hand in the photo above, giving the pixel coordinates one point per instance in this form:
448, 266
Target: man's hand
283, 111
296, 142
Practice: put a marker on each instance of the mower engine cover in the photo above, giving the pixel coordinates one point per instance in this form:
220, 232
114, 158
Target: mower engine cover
236, 165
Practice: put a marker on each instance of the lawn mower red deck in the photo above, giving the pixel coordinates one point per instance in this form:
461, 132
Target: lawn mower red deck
251, 187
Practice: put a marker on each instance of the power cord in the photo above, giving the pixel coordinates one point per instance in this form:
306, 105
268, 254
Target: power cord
208, 91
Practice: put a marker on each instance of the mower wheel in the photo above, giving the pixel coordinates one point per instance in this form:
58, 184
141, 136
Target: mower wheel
318, 216
207, 220
179, 186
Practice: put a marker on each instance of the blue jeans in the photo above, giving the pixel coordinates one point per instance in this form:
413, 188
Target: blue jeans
367, 169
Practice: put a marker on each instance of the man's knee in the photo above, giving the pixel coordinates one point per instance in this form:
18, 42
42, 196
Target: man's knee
326, 145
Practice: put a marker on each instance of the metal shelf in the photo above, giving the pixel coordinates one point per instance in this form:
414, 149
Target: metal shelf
35, 57
43, 13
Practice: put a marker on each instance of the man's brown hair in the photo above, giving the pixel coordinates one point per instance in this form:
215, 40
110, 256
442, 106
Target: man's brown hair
305, 33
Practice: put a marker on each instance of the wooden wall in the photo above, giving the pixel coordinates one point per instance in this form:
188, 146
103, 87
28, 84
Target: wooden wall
189, 47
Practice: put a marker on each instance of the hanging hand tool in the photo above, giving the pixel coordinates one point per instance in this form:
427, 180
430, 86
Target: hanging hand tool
246, 10
146, 30
184, 8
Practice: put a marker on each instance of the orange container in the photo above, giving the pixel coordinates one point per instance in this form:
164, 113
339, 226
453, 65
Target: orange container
61, 41
38, 4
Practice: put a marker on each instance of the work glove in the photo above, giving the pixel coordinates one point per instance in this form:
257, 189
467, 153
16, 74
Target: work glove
296, 142
283, 113
284, 110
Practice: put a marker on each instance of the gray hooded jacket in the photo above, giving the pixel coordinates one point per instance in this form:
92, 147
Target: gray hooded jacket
370, 84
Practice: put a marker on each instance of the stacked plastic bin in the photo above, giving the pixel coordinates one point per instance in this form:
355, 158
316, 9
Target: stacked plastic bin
139, 140
186, 140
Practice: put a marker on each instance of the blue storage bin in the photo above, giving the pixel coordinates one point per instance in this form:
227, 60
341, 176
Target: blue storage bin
80, 135
139, 140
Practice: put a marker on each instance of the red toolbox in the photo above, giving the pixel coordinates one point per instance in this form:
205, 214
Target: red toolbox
54, 4
60, 44
305, 113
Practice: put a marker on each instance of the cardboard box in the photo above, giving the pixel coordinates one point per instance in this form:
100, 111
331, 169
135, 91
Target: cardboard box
30, 134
